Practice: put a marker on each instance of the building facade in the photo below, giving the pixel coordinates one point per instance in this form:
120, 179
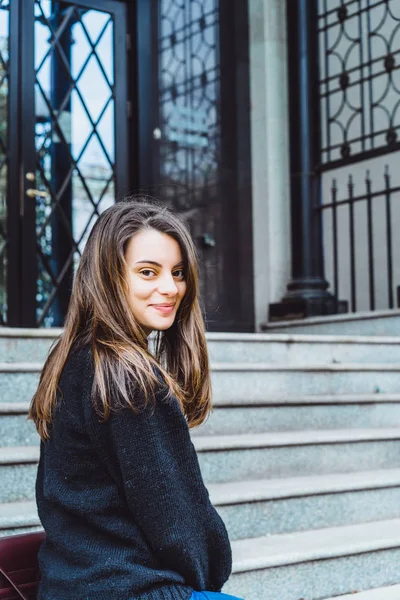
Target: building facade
270, 126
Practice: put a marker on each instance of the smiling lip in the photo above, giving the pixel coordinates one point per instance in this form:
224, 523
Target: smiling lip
165, 309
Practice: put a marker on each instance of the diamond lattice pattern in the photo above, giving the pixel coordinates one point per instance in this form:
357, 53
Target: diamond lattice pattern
75, 104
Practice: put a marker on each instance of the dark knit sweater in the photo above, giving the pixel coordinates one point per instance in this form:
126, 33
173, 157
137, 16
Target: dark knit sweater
123, 503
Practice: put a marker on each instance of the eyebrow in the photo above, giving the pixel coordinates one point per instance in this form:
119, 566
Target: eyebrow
153, 262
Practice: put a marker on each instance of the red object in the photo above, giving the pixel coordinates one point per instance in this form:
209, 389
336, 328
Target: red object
19, 564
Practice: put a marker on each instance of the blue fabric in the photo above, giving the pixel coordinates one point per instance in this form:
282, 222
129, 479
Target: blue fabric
212, 596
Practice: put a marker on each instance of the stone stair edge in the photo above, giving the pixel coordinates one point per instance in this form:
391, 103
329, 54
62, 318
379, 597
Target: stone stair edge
238, 492
307, 367
287, 338
280, 550
22, 513
275, 439
341, 318
25, 332
391, 592
7, 408
309, 399
220, 443
244, 366
15, 455
14, 408
54, 333
20, 367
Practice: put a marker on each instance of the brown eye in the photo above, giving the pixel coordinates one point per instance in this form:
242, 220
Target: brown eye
180, 274
148, 273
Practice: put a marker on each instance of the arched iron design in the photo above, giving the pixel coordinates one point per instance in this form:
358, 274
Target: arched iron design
359, 84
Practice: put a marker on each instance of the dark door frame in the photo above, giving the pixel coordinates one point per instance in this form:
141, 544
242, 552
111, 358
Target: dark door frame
14, 199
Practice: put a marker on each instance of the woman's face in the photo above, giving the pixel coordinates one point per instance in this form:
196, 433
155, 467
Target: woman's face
156, 279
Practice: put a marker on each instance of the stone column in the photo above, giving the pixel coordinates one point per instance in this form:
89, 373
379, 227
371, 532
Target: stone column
270, 153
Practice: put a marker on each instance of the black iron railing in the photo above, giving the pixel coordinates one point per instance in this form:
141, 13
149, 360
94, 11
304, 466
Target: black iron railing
358, 237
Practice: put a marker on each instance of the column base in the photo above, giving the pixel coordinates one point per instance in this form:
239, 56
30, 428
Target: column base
306, 298
301, 309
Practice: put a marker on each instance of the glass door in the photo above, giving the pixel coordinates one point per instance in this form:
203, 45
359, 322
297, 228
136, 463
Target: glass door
200, 151
188, 134
74, 142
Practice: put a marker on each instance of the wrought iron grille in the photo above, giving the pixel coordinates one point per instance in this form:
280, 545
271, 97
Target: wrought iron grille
4, 75
189, 134
75, 104
359, 83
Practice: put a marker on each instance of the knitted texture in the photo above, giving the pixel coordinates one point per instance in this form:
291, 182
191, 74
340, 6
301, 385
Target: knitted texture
123, 503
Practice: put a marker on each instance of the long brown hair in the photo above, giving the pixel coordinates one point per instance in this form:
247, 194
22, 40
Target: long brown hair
99, 315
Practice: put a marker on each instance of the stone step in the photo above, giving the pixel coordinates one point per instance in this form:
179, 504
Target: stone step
350, 550
18, 466
18, 381
246, 457
343, 548
288, 454
285, 414
305, 549
295, 349
18, 517
307, 412
275, 506
286, 346
316, 564
265, 507
278, 399
253, 381
387, 593
16, 429
376, 323
26, 345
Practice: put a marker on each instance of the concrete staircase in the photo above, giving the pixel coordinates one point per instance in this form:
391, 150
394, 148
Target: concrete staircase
301, 457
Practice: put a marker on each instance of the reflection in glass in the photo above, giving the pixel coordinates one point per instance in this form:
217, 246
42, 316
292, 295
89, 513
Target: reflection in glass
189, 147
75, 112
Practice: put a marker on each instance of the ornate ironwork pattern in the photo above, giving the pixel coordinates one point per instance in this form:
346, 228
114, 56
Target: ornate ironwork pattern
74, 142
4, 74
359, 84
189, 133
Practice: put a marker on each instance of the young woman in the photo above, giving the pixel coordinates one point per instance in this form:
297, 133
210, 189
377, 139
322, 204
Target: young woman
119, 489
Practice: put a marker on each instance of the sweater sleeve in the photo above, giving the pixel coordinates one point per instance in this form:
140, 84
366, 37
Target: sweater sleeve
156, 463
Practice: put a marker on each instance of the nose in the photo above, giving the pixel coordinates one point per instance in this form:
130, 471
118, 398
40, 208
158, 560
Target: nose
167, 285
